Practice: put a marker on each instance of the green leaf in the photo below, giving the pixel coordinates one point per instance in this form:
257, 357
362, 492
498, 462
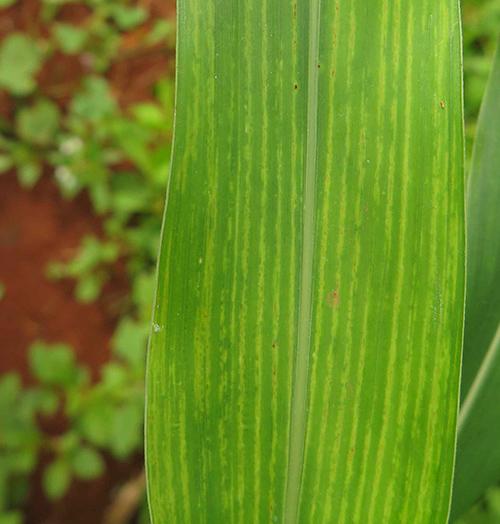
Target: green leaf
42, 400
127, 17
115, 376
143, 294
48, 402
7, 3
126, 429
87, 463
162, 30
130, 194
10, 386
22, 460
149, 115
20, 59
11, 517
19, 434
29, 173
5, 163
165, 94
94, 101
68, 442
306, 357
56, 479
487, 511
92, 253
38, 124
70, 38
129, 341
478, 453
88, 288
54, 364
94, 422
134, 139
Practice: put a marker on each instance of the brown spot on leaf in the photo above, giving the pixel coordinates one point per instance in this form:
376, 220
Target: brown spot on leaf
333, 298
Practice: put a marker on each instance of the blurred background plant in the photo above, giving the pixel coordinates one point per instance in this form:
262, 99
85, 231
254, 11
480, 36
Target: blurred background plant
86, 106
87, 103
481, 25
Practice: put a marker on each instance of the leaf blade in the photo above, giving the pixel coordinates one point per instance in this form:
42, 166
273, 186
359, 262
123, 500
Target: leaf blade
478, 458
238, 244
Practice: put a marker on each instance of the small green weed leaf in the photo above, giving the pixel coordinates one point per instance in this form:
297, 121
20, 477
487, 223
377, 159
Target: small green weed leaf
37, 400
114, 376
29, 173
129, 341
100, 196
18, 430
162, 30
143, 293
19, 433
10, 386
94, 422
94, 101
127, 17
20, 59
150, 115
92, 254
145, 238
38, 124
126, 429
11, 517
22, 459
134, 139
68, 443
56, 478
88, 287
129, 194
6, 163
54, 364
71, 39
7, 3
47, 401
87, 463
160, 159
165, 93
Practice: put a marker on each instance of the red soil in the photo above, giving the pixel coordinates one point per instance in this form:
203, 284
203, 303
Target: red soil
37, 227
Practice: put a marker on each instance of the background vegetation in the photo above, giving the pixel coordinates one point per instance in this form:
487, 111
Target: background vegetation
93, 140
117, 153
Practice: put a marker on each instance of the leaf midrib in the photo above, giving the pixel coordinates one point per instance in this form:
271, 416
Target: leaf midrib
298, 410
